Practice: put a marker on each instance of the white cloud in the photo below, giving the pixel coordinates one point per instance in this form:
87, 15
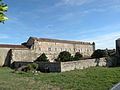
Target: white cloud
66, 16
2, 36
73, 2
104, 37
105, 41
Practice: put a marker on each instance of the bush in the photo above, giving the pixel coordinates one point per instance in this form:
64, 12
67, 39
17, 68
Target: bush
42, 57
32, 67
64, 56
77, 56
98, 54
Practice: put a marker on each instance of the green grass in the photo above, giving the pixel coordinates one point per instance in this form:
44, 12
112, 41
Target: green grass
97, 78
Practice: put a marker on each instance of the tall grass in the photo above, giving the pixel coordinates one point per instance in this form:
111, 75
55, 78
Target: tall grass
97, 78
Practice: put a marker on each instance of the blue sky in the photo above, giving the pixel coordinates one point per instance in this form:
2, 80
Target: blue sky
80, 20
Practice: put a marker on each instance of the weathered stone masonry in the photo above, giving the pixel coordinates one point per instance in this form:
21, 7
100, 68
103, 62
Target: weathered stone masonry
34, 47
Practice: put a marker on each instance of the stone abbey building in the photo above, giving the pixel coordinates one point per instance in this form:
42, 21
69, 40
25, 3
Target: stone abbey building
34, 47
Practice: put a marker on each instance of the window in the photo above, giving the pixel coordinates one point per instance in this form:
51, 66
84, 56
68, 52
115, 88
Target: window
70, 49
65, 49
39, 48
49, 49
81, 49
74, 49
55, 49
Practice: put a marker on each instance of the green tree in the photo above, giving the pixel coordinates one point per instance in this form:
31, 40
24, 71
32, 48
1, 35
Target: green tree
99, 53
3, 9
64, 56
78, 56
42, 57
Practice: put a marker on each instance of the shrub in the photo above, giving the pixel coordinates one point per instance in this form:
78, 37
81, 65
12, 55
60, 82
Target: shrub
42, 57
98, 54
77, 56
64, 56
33, 66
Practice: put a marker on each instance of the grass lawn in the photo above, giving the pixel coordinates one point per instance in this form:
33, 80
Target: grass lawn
97, 78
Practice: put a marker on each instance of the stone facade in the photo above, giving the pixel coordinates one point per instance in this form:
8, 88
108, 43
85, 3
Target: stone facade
34, 47
52, 47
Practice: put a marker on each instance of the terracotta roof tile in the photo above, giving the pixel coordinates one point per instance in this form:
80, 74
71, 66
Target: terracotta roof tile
118, 39
12, 46
60, 41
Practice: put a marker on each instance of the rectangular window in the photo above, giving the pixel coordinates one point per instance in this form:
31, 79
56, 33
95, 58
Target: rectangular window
61, 49
39, 48
65, 49
55, 49
49, 49
70, 49
74, 49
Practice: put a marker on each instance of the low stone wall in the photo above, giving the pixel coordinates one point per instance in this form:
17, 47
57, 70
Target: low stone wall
50, 66
66, 66
19, 64
81, 64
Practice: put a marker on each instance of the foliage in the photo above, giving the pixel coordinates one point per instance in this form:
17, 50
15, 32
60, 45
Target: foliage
33, 66
64, 56
98, 54
77, 56
42, 57
3, 9
111, 52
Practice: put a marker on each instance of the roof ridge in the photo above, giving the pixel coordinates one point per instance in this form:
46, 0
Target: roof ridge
62, 41
12, 46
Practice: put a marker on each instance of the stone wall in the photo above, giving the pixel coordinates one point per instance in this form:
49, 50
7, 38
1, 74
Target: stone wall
118, 47
50, 67
4, 56
66, 66
23, 55
17, 64
81, 64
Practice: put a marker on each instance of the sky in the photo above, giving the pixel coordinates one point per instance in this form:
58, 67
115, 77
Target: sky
79, 20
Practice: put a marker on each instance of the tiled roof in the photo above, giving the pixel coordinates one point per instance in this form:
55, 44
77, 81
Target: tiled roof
118, 39
12, 46
60, 41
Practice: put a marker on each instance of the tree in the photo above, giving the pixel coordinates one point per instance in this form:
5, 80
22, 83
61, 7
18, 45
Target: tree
64, 56
78, 56
98, 54
3, 9
42, 57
